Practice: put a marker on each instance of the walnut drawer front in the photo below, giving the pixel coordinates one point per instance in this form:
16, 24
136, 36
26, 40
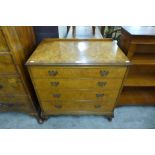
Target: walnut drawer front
14, 99
78, 107
6, 64
11, 85
75, 72
56, 84
78, 95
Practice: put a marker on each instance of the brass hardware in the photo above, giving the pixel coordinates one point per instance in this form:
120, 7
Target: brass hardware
99, 95
58, 106
104, 73
101, 84
57, 95
52, 73
97, 106
55, 83
1, 86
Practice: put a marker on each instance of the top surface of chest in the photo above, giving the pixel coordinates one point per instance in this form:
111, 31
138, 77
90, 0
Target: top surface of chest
74, 52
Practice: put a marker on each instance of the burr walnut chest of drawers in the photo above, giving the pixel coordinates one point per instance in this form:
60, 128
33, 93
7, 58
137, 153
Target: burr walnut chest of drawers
16, 45
72, 76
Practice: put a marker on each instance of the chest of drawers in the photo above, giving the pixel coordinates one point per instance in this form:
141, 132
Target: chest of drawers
16, 44
77, 76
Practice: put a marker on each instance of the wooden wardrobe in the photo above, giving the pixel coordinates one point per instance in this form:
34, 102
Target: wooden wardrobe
16, 92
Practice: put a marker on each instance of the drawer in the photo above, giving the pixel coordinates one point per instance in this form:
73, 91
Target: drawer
75, 72
78, 107
6, 64
16, 107
11, 86
56, 84
3, 43
78, 95
14, 99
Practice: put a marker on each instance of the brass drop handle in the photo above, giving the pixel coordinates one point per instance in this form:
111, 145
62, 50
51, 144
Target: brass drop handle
58, 106
57, 95
99, 95
97, 106
101, 84
1, 86
54, 84
104, 73
52, 73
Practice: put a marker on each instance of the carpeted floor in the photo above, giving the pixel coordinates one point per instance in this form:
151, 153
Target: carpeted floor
125, 118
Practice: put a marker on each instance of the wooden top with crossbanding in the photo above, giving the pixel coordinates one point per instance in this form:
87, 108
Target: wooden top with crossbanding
75, 52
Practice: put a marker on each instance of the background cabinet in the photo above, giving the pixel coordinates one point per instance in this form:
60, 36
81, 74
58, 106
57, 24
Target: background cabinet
138, 43
16, 91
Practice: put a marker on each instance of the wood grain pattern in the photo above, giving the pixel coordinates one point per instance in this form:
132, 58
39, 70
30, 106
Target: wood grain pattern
5, 107
17, 44
73, 52
80, 72
141, 76
56, 84
146, 59
137, 96
135, 41
77, 76
11, 85
77, 107
6, 64
17, 99
138, 43
3, 44
65, 94
27, 40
